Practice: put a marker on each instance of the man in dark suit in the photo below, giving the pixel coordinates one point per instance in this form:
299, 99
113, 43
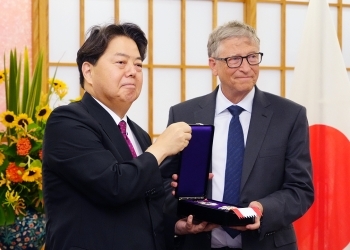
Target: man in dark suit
102, 186
276, 173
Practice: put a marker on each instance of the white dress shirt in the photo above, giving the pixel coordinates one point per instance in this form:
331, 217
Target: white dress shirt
129, 133
221, 122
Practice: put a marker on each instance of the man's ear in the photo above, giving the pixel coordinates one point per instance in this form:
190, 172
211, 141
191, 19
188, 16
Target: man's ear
87, 68
213, 65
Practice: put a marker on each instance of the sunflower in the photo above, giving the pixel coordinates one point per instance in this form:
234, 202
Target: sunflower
60, 88
57, 84
22, 120
43, 113
2, 76
32, 174
8, 119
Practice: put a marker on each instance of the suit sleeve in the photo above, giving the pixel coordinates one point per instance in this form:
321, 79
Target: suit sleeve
296, 194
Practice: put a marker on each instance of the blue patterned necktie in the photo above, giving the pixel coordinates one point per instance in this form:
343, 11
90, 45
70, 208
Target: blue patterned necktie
234, 162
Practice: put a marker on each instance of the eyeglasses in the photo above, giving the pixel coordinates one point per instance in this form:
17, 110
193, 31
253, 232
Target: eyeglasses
236, 61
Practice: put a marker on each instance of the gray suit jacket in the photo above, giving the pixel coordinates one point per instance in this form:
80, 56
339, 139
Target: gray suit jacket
277, 169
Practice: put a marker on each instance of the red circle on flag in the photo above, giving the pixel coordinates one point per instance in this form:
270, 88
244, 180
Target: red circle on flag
326, 224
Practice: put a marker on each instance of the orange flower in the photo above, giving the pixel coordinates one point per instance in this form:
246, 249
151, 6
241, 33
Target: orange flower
41, 154
14, 173
23, 146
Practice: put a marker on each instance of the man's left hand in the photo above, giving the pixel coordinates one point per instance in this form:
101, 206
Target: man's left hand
187, 226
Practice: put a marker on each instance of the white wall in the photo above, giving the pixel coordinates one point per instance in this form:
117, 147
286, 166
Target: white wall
167, 67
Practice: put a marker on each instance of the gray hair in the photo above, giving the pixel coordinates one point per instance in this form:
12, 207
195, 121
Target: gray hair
230, 30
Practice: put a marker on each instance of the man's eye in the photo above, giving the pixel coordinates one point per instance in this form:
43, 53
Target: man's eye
121, 62
253, 56
235, 58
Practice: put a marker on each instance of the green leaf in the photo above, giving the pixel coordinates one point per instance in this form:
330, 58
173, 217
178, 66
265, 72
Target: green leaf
36, 163
11, 151
35, 88
10, 216
4, 165
20, 160
25, 86
2, 216
12, 88
33, 126
36, 146
23, 96
7, 215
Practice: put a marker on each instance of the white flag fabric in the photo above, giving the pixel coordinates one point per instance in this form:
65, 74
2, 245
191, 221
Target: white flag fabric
322, 85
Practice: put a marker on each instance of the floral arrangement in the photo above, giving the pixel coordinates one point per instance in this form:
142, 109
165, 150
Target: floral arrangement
21, 139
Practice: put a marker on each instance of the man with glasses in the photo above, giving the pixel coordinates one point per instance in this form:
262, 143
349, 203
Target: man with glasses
273, 168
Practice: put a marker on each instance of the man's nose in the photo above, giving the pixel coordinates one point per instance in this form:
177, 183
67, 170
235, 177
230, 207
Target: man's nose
130, 69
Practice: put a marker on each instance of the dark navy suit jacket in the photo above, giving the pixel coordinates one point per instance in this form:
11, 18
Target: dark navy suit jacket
97, 197
277, 169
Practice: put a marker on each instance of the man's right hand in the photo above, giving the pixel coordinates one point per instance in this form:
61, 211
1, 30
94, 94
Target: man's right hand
173, 140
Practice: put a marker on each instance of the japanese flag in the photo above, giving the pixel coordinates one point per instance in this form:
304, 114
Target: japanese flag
322, 85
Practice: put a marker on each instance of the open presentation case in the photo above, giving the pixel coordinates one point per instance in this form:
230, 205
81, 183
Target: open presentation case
193, 180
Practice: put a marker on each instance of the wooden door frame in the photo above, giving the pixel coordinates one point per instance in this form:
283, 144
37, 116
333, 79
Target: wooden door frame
40, 36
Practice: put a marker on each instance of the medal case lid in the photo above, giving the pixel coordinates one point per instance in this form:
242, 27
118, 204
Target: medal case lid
195, 163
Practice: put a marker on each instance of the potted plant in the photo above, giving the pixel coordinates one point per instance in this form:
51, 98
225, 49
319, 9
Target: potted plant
22, 219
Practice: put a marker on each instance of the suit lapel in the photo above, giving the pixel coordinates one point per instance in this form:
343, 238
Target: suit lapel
260, 120
206, 109
109, 126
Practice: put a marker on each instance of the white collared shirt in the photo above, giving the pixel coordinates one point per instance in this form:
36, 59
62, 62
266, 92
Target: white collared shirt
221, 122
129, 133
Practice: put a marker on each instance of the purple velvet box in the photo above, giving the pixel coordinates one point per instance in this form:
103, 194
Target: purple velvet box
193, 180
